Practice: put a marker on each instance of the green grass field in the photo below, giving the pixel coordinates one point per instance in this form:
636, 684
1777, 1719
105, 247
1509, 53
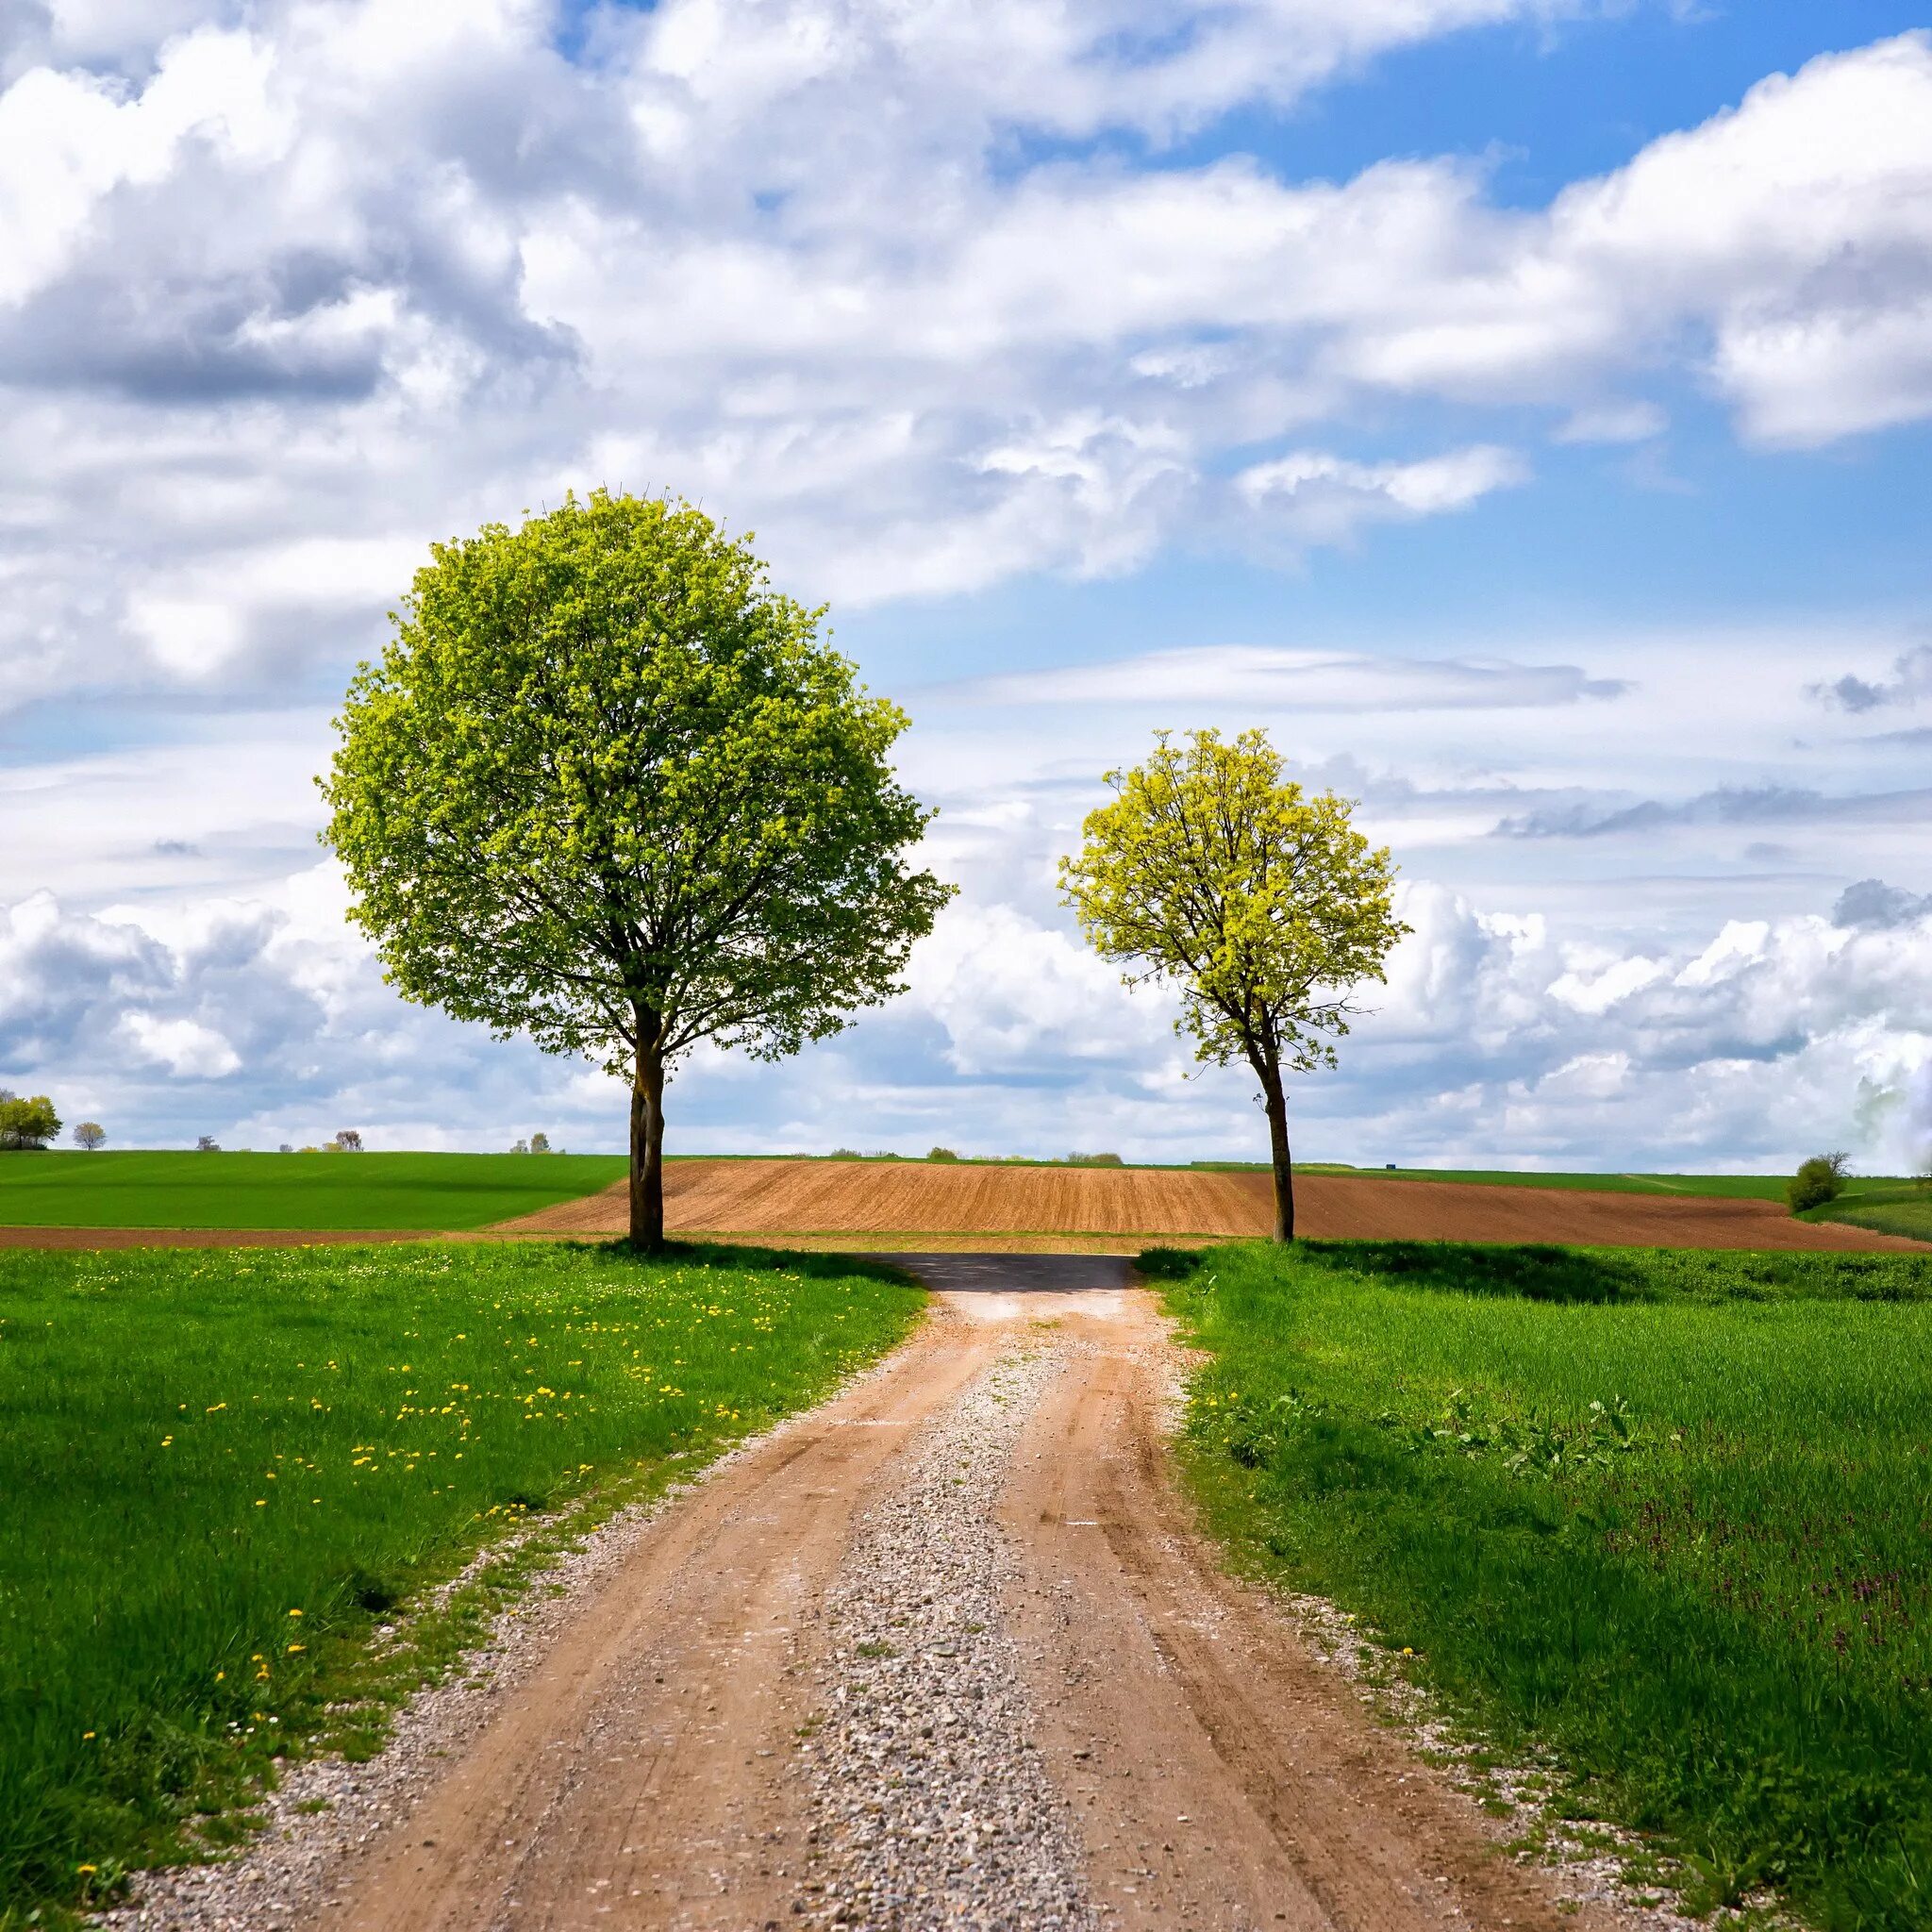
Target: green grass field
1663, 1513
1887, 1206
223, 1468
435, 1193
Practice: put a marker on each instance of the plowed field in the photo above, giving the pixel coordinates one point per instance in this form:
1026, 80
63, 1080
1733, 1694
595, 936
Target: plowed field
1140, 1206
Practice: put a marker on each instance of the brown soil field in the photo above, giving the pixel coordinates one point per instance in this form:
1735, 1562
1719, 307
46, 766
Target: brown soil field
1141, 1206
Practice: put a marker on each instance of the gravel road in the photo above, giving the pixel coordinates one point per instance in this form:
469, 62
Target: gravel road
946, 1653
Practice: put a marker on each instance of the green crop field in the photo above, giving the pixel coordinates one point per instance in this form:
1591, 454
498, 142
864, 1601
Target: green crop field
435, 1193
1887, 1206
223, 1468
1662, 1513
1733, 1187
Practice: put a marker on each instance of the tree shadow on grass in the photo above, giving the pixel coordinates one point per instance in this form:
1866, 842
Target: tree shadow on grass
815, 1265
1538, 1272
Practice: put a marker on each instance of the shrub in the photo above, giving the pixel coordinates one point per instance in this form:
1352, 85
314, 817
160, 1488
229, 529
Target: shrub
1817, 1181
941, 1153
844, 1154
1094, 1160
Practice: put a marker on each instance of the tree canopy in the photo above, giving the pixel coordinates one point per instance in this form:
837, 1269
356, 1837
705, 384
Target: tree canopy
1212, 871
607, 788
27, 1123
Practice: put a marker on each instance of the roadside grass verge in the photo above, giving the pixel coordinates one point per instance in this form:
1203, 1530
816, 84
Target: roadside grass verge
232, 1475
436, 1192
1661, 1514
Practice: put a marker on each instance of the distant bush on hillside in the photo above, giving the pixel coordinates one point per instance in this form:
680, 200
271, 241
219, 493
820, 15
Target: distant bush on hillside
1817, 1181
941, 1153
1094, 1160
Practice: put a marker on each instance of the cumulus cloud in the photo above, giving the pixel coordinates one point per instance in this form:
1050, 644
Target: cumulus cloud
1910, 681
1871, 903
464, 260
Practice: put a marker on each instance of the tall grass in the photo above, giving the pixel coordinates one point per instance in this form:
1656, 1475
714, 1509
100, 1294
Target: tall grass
223, 1469
1667, 1514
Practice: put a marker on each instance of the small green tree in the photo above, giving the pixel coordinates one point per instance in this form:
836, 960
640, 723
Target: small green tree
26, 1124
90, 1135
540, 1144
606, 789
1213, 872
1818, 1180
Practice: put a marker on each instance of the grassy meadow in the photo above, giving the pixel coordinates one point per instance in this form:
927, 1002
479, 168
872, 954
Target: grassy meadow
224, 1468
1886, 1207
1661, 1513
434, 1192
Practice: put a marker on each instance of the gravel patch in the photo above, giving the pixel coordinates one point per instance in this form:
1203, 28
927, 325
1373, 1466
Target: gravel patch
932, 1805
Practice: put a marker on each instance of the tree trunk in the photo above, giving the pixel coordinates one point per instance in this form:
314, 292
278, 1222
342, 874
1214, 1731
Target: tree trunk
647, 1150
1276, 1102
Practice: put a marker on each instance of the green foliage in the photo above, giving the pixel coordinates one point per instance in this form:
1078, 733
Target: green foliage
607, 789
435, 1193
1817, 1181
1658, 1512
943, 1154
1213, 872
25, 1124
200, 1445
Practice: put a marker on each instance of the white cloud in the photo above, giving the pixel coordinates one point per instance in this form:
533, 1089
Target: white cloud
1327, 498
184, 1048
286, 303
1263, 677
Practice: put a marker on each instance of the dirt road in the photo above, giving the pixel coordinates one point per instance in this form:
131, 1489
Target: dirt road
1133, 1208
946, 1652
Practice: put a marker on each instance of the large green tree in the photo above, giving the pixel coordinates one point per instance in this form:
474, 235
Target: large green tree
607, 789
1211, 870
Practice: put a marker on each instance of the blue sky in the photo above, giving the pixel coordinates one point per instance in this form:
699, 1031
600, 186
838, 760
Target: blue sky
1520, 407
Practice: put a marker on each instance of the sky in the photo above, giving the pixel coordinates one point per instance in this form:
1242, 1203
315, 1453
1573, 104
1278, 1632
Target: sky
1521, 409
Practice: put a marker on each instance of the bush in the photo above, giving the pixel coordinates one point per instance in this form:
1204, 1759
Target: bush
943, 1154
1094, 1160
1817, 1181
